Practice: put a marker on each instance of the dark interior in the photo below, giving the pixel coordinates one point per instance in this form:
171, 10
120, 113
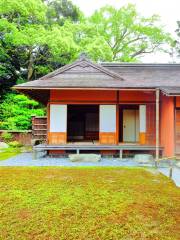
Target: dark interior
83, 123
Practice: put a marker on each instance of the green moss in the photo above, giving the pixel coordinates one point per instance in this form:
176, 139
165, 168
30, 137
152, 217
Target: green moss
87, 203
8, 153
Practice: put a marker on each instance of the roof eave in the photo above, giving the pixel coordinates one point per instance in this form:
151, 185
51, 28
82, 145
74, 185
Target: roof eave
82, 88
170, 93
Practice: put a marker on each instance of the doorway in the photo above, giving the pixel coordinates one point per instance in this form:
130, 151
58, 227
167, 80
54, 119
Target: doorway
83, 123
129, 121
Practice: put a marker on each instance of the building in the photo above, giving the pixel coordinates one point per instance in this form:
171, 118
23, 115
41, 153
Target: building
110, 106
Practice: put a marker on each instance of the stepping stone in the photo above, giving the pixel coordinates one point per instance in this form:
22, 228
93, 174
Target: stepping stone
143, 158
84, 157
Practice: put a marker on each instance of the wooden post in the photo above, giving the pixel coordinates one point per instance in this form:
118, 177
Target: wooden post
34, 154
170, 172
120, 154
170, 169
117, 119
157, 126
48, 123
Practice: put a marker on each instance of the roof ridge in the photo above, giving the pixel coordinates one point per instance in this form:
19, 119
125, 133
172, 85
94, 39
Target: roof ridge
140, 64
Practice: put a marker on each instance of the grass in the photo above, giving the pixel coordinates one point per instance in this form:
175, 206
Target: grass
9, 152
87, 203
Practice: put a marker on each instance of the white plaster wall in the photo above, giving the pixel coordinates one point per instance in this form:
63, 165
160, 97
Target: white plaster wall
107, 118
142, 118
58, 118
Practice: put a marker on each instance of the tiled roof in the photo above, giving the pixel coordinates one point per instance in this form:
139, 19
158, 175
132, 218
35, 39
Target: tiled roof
85, 74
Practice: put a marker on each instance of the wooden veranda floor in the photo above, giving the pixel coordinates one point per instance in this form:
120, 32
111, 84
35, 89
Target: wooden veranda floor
95, 146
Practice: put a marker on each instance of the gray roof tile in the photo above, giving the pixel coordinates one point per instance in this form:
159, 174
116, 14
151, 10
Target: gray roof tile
85, 74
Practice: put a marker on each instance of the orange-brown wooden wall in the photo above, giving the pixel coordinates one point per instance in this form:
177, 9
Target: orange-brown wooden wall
98, 97
177, 127
111, 97
178, 102
82, 96
167, 125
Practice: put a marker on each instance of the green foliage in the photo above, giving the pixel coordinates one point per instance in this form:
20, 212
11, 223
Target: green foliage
60, 10
177, 42
32, 40
128, 34
16, 112
15, 144
6, 136
23, 10
88, 40
9, 152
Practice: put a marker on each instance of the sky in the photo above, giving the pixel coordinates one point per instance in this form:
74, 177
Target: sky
168, 10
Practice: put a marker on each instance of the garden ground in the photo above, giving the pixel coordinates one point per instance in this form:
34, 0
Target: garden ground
87, 203
8, 153
26, 160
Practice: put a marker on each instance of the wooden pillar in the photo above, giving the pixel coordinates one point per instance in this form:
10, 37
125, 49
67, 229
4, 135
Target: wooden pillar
48, 122
117, 119
157, 125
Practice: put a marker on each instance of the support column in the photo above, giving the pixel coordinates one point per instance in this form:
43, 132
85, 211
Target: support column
117, 119
142, 120
157, 125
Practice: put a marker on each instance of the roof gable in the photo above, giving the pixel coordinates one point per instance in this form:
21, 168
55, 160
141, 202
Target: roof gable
82, 66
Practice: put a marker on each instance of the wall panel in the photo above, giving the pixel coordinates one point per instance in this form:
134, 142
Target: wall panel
107, 133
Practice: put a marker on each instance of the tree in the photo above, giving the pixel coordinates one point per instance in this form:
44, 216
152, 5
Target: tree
177, 41
16, 112
7, 71
23, 11
14, 17
58, 11
85, 39
26, 37
129, 35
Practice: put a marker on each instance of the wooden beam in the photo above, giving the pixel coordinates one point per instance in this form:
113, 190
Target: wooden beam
157, 126
75, 146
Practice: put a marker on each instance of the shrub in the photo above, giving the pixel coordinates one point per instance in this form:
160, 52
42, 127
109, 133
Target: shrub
15, 144
17, 110
6, 136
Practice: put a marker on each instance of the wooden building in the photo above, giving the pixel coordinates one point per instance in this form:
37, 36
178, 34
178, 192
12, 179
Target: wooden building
110, 106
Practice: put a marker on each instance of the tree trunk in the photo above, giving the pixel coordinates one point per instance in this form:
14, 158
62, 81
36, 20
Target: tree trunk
30, 66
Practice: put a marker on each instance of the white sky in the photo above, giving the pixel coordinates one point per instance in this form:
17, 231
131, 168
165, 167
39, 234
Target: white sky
168, 10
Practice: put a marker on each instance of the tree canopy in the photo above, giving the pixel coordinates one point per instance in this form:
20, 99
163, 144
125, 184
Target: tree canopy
59, 11
128, 34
